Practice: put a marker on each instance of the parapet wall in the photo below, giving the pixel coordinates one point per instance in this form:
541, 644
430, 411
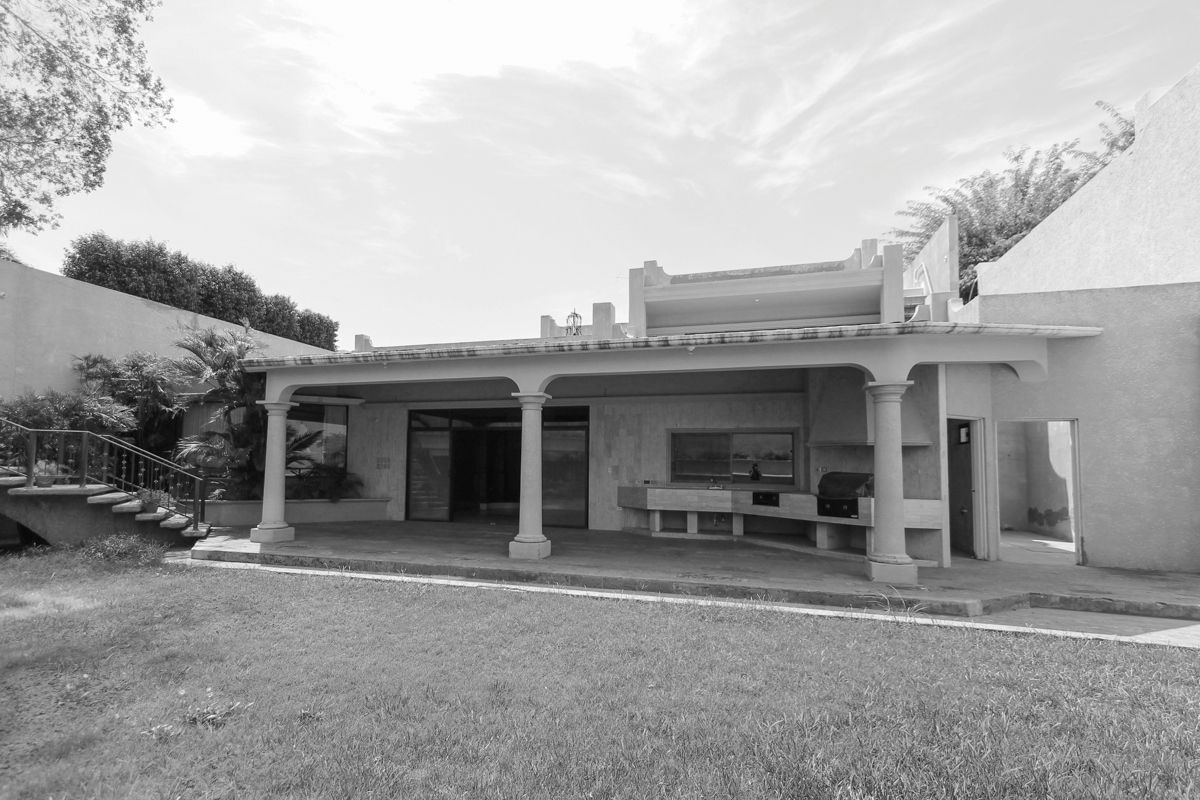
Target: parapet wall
46, 320
1134, 224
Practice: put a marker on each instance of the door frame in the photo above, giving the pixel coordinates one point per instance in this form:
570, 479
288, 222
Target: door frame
977, 429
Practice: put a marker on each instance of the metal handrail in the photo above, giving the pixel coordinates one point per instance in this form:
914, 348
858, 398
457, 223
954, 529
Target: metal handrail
84, 455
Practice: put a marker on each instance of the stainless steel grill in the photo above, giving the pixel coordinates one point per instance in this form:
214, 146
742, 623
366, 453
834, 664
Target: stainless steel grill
838, 493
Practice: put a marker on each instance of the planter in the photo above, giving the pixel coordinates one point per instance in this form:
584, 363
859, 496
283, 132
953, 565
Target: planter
247, 513
44, 481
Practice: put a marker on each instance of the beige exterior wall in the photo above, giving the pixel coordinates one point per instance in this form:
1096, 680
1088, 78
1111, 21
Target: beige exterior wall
630, 440
46, 320
1134, 224
376, 451
1134, 393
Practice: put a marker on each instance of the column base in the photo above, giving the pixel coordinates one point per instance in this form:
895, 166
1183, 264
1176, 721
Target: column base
529, 551
901, 574
267, 535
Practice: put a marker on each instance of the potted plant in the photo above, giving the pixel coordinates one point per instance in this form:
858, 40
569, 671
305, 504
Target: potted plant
154, 499
45, 472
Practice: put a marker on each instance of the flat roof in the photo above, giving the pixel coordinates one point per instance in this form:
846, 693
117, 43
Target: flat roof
525, 347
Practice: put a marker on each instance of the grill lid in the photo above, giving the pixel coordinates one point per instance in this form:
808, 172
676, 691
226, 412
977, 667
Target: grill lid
844, 485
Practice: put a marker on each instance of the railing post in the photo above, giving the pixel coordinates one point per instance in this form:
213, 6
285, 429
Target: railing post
200, 487
83, 459
30, 456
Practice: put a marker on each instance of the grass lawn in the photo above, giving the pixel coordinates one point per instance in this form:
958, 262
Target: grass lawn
168, 681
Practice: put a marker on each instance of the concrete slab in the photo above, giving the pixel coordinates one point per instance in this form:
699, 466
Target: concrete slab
729, 568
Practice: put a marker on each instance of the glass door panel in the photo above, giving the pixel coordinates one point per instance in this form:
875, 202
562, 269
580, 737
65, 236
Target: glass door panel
429, 475
564, 477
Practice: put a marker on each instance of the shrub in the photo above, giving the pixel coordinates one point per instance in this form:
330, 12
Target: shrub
82, 409
125, 549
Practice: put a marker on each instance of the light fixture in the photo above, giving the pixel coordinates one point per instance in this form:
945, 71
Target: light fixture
574, 323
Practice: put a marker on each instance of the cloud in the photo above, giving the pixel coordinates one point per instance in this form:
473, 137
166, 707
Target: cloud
199, 132
1098, 70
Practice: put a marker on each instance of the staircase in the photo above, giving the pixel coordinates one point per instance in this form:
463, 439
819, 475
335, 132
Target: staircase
67, 486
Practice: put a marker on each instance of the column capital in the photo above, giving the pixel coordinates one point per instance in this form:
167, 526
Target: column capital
531, 398
887, 390
276, 406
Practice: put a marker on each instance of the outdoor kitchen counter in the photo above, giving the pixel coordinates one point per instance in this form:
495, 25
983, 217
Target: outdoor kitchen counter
922, 518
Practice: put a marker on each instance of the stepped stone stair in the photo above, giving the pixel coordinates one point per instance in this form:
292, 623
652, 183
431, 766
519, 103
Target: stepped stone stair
102, 494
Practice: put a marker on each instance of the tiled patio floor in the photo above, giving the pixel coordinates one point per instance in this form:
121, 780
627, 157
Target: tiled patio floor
724, 568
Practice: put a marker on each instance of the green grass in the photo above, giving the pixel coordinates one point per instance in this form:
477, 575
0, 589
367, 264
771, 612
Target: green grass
165, 681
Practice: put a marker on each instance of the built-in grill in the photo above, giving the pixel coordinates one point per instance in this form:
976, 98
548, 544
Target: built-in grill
838, 493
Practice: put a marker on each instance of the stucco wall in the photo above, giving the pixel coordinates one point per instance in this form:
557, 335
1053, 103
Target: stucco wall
1133, 224
1012, 456
46, 320
1133, 390
630, 439
376, 450
922, 464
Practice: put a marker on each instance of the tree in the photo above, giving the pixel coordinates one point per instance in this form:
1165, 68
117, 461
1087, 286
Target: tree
277, 314
149, 269
8, 254
144, 269
235, 446
997, 209
228, 293
317, 329
74, 72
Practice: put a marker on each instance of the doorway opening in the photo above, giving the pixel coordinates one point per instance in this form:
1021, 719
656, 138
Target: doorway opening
465, 465
1039, 508
962, 451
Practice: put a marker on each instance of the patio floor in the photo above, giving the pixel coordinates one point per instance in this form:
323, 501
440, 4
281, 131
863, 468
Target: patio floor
632, 561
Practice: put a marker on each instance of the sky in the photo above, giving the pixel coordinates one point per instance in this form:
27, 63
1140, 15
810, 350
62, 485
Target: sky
451, 171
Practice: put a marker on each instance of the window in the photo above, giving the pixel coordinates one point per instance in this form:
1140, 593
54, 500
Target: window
733, 456
327, 424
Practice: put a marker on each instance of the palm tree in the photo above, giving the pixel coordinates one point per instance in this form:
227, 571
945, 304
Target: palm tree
213, 361
234, 449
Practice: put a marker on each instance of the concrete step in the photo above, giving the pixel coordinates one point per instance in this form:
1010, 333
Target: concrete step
199, 532
133, 506
12, 480
62, 490
158, 515
110, 498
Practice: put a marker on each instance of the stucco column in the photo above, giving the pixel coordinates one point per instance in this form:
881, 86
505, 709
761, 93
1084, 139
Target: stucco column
530, 542
273, 527
887, 559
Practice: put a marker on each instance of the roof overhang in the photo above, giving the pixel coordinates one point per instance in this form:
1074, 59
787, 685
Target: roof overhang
885, 352
687, 342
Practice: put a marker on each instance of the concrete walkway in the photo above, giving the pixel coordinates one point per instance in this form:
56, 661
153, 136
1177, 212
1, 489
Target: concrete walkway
1121, 603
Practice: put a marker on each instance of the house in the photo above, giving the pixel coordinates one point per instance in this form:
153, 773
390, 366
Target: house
1062, 401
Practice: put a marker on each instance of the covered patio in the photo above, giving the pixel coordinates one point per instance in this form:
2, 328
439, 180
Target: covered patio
745, 568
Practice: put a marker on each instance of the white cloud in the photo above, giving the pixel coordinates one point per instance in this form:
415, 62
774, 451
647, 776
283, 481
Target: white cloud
374, 59
199, 131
